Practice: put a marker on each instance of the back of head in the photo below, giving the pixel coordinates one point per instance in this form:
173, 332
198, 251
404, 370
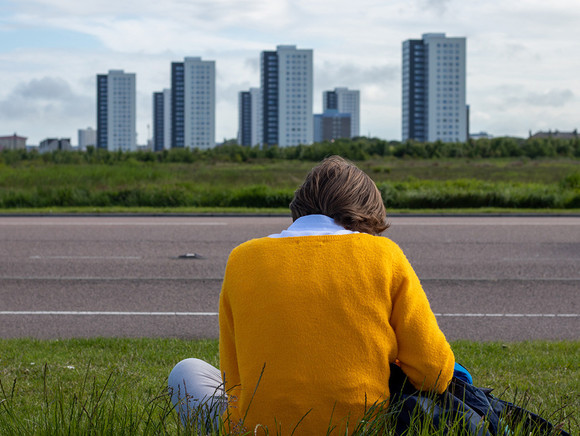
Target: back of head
338, 189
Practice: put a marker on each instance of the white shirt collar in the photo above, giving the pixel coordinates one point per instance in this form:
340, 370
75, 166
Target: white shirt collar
313, 225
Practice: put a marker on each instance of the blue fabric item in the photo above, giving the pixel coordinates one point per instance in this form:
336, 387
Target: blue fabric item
411, 405
462, 374
476, 411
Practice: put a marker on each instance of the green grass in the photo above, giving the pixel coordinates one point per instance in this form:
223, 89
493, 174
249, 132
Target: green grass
117, 386
224, 211
266, 185
283, 173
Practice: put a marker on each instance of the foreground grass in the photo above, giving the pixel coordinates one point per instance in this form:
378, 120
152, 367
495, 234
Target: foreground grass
117, 386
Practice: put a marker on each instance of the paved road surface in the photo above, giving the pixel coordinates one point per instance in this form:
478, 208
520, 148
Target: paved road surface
488, 278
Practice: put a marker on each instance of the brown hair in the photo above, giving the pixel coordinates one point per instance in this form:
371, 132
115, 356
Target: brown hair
338, 189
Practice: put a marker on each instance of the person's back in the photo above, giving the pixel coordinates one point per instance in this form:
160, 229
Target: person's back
309, 325
311, 319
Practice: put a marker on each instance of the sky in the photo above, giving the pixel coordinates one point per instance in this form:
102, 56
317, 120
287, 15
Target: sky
523, 57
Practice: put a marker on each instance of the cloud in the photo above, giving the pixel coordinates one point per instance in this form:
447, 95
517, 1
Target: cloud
147, 26
510, 109
440, 6
553, 97
49, 102
253, 64
518, 95
47, 88
334, 74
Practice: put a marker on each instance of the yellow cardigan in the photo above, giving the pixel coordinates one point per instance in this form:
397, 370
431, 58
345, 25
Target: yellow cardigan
309, 325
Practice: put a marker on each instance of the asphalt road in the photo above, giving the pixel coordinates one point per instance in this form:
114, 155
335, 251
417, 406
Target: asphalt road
488, 278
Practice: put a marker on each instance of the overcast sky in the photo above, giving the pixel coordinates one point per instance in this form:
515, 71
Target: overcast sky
523, 56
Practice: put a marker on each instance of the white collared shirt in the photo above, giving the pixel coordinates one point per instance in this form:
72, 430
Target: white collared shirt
312, 225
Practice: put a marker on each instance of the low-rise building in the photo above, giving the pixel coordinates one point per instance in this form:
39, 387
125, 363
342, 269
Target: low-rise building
480, 135
87, 137
331, 124
54, 144
555, 135
13, 142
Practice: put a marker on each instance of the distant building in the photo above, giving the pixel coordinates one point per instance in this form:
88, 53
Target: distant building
434, 101
54, 144
250, 117
245, 118
193, 103
480, 135
87, 137
145, 147
162, 120
13, 142
345, 101
116, 111
555, 135
286, 81
331, 125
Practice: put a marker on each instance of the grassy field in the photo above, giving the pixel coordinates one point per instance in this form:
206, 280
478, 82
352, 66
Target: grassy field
517, 183
117, 386
283, 173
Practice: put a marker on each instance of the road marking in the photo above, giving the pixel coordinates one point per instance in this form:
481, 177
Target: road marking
465, 221
100, 313
498, 280
428, 279
484, 224
508, 315
113, 279
94, 224
85, 257
103, 313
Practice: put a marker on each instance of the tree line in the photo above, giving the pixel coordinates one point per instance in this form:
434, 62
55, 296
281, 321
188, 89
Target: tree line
356, 149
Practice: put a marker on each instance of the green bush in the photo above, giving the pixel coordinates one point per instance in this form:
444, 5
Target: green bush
471, 194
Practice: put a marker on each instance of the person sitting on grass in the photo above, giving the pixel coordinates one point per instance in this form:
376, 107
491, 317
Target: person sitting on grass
311, 319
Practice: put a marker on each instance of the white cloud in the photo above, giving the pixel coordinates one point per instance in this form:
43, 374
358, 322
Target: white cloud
49, 102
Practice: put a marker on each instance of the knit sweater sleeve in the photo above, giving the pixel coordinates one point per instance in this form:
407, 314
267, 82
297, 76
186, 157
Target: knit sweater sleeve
227, 346
424, 353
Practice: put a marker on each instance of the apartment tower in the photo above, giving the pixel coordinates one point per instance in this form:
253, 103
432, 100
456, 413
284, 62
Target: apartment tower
250, 117
116, 113
286, 77
434, 101
193, 103
162, 120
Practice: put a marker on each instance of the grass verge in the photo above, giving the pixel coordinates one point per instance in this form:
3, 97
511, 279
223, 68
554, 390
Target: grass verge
117, 386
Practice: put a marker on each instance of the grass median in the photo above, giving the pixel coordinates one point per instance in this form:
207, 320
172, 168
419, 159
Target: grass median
117, 386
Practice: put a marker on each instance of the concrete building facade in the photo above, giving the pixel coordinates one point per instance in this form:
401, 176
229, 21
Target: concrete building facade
286, 79
54, 144
86, 137
245, 118
250, 117
193, 103
116, 111
332, 125
434, 89
346, 101
161, 120
13, 142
